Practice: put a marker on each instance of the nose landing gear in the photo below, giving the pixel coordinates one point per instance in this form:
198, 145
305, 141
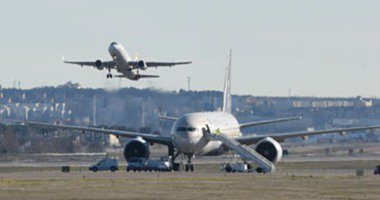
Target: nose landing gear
176, 166
189, 166
172, 156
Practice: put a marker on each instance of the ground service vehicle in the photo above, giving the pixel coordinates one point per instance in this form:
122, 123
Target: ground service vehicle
377, 170
236, 167
104, 165
144, 164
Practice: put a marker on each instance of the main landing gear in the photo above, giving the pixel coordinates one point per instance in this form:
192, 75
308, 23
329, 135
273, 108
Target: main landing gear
109, 75
172, 156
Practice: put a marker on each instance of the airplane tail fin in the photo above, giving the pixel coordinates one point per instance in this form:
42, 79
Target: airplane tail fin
137, 56
227, 86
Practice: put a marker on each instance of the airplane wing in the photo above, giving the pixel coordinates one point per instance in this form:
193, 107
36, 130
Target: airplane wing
158, 64
169, 118
304, 134
105, 64
148, 137
248, 124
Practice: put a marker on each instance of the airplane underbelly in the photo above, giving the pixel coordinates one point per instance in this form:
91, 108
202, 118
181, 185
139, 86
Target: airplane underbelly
209, 147
121, 62
197, 146
184, 145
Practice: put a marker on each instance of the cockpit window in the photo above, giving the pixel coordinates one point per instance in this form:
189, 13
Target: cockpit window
183, 129
191, 129
114, 43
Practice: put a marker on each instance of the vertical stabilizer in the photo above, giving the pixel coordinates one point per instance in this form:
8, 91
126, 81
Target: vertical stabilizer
227, 86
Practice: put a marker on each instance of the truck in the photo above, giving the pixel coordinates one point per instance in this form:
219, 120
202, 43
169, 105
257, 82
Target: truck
145, 164
104, 165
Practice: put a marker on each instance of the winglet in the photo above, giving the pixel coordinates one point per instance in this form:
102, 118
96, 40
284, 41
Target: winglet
137, 56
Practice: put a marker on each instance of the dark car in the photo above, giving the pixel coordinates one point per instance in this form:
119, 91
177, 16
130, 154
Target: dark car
105, 164
377, 170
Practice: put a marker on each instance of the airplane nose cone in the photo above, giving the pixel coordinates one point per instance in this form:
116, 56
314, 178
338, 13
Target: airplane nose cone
113, 47
186, 141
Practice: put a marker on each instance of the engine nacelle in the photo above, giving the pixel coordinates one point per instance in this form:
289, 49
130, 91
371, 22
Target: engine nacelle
270, 149
142, 65
99, 65
136, 148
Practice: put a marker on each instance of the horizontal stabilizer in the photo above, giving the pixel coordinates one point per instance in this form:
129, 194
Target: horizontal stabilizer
280, 137
148, 76
137, 76
272, 121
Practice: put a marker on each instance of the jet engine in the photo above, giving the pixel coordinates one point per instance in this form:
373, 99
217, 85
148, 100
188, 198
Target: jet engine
99, 64
137, 147
142, 65
270, 149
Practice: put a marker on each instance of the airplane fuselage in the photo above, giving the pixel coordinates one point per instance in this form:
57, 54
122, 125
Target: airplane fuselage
121, 58
187, 131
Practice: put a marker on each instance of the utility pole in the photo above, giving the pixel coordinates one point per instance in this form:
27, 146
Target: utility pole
188, 83
142, 120
94, 111
289, 96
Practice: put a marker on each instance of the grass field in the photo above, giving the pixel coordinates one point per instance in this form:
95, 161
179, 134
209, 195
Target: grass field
298, 180
194, 186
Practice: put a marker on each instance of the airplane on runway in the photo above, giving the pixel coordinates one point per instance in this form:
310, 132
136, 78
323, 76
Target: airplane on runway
204, 133
123, 64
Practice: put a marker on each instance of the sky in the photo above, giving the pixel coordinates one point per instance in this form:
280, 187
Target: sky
302, 48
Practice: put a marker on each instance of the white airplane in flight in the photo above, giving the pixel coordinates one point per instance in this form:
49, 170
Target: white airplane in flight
204, 133
122, 62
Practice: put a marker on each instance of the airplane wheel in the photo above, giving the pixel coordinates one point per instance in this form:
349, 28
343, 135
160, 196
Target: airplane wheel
192, 167
187, 167
228, 169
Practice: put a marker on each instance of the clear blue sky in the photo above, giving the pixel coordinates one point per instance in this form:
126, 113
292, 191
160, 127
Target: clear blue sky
320, 48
